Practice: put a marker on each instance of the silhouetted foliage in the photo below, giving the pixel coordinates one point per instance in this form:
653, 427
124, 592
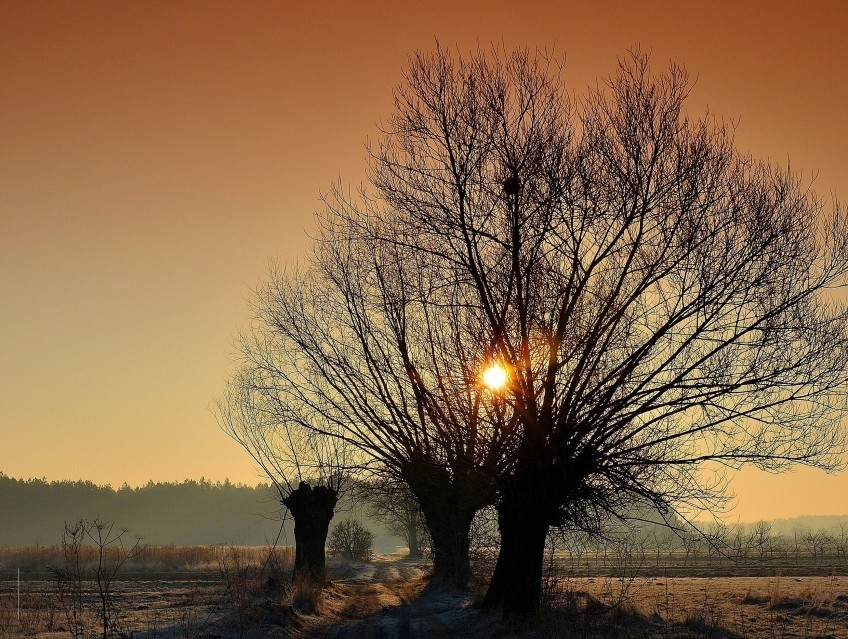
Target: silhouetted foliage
660, 299
341, 349
392, 503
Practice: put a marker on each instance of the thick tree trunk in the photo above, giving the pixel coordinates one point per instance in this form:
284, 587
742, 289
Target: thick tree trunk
535, 497
312, 509
516, 585
450, 533
449, 501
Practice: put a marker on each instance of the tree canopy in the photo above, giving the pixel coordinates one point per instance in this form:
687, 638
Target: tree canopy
660, 301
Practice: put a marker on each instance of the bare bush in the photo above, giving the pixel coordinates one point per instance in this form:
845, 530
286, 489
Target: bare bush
93, 550
351, 540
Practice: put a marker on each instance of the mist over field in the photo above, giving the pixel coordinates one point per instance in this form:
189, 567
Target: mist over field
195, 574
196, 512
192, 512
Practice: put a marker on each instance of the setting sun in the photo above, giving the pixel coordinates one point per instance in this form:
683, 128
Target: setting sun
494, 376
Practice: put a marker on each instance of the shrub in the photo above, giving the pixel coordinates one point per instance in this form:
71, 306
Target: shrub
305, 593
351, 540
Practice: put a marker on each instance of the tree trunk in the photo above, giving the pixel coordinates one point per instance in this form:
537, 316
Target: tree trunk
536, 496
412, 537
450, 533
449, 500
312, 509
516, 585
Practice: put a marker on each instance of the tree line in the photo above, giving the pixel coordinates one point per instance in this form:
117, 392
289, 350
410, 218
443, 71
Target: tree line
759, 548
188, 512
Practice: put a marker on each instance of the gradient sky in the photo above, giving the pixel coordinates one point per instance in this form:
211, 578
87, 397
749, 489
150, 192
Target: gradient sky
155, 156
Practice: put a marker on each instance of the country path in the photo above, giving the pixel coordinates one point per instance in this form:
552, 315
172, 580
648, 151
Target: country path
387, 599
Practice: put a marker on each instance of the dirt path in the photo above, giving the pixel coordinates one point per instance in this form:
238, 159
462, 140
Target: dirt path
430, 616
389, 601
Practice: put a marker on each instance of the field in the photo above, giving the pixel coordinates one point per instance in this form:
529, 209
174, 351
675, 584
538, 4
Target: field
167, 591
241, 593
149, 607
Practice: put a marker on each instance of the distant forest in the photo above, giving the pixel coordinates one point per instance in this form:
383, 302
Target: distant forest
192, 512
34, 511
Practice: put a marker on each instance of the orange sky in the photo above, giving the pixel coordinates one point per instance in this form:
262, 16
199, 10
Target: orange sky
154, 156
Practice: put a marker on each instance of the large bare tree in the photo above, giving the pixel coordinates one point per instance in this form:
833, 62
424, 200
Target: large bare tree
662, 304
661, 301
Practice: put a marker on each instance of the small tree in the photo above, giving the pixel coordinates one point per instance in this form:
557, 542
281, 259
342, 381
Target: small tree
716, 536
763, 540
841, 539
817, 542
392, 503
351, 540
307, 467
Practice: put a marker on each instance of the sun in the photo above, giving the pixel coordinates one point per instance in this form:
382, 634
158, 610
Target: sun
494, 376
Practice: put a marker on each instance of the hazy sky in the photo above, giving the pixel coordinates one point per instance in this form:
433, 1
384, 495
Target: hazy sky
155, 156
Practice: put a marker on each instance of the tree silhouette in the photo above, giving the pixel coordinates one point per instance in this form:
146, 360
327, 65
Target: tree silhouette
351, 348
662, 303
307, 468
661, 300
392, 503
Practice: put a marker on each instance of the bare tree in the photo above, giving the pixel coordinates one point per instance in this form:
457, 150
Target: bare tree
357, 347
797, 543
763, 540
307, 468
841, 539
817, 542
351, 540
392, 503
716, 535
660, 300
661, 305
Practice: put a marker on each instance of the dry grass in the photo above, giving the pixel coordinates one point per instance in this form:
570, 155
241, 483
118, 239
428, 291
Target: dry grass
754, 607
304, 594
251, 595
168, 591
153, 559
